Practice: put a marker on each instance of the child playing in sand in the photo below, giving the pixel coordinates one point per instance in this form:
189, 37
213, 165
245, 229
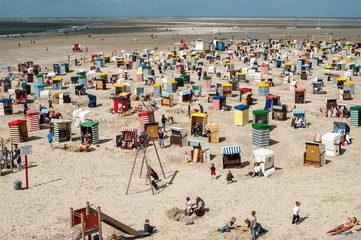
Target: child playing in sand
229, 177
188, 206
296, 213
147, 227
213, 171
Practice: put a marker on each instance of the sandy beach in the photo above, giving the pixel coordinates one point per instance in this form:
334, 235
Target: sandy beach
60, 179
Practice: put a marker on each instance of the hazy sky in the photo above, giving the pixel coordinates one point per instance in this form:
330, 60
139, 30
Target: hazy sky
180, 8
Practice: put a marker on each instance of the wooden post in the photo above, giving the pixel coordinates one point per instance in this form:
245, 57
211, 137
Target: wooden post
82, 226
141, 168
26, 172
71, 218
11, 156
87, 212
131, 173
150, 180
100, 224
160, 163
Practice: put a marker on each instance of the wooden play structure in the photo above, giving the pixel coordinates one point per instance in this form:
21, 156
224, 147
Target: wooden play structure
260, 116
198, 123
272, 100
219, 102
143, 148
167, 100
102, 81
8, 166
151, 130
245, 96
88, 221
332, 143
185, 96
314, 154
231, 157
146, 117
89, 130
200, 152
355, 116
6, 107
21, 96
260, 135
18, 131
279, 113
241, 115
213, 132
179, 137
128, 138
226, 89
33, 120
300, 95
266, 159
62, 130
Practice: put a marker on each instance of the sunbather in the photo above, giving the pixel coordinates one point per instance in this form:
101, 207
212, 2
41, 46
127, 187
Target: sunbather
83, 148
351, 222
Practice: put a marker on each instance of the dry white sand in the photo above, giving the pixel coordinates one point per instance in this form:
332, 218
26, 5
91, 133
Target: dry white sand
61, 179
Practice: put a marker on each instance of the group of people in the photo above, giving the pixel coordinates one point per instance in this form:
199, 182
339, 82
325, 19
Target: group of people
16, 157
197, 207
338, 112
251, 226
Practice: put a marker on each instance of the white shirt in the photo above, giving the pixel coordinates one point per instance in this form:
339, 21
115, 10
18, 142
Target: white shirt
189, 204
296, 210
257, 169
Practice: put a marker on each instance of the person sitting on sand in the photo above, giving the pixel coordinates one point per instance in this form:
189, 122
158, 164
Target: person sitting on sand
228, 226
257, 171
198, 207
83, 148
351, 222
229, 177
147, 227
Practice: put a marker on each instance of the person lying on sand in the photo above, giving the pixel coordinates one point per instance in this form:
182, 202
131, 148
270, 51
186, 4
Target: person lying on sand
83, 148
351, 222
228, 226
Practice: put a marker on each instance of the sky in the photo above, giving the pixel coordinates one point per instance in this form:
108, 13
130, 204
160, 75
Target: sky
180, 8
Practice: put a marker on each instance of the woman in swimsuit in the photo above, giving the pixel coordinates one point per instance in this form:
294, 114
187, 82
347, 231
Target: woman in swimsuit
351, 222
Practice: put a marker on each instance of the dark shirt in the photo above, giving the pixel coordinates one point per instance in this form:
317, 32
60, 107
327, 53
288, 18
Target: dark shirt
213, 169
229, 177
161, 135
148, 228
164, 119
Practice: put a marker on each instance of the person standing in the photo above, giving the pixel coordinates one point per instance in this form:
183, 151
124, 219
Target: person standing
189, 109
213, 171
199, 74
164, 121
50, 139
296, 213
201, 108
161, 138
253, 225
25, 108
17, 157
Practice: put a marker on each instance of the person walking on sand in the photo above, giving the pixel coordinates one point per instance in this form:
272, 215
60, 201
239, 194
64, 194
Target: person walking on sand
17, 157
50, 139
164, 121
213, 171
296, 213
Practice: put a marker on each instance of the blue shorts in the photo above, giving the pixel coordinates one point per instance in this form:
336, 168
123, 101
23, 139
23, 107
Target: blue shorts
161, 141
